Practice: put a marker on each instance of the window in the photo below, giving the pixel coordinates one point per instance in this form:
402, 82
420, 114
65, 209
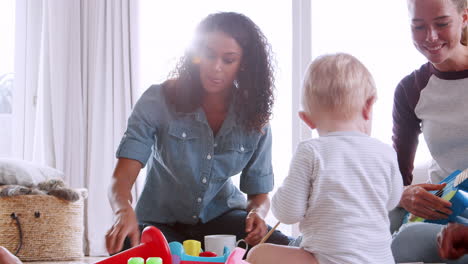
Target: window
7, 34
381, 39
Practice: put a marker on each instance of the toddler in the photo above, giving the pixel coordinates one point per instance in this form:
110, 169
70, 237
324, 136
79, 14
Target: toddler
341, 185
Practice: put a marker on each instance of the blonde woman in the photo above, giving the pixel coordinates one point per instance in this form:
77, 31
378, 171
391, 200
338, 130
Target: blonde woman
432, 101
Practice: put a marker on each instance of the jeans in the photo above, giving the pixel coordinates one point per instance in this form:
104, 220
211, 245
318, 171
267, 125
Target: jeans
232, 222
417, 242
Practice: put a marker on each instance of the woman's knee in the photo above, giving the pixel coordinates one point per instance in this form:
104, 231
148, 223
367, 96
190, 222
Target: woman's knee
396, 218
416, 242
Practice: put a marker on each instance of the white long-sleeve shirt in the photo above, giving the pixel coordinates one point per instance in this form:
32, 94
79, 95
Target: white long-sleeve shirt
340, 188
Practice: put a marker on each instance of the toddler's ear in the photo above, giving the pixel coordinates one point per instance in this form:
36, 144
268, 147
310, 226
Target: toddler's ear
367, 109
306, 118
465, 18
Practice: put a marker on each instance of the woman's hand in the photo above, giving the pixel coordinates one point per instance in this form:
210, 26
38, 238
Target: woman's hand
453, 241
120, 197
125, 224
255, 227
7, 258
417, 200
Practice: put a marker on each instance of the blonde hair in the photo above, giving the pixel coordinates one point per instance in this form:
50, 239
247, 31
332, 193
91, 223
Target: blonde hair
461, 6
339, 84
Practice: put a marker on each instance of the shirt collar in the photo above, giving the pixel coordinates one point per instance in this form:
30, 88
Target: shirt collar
345, 133
228, 123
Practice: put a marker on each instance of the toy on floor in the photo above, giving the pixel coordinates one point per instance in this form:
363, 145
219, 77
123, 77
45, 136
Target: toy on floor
153, 244
154, 261
179, 256
192, 247
456, 192
138, 260
236, 256
207, 254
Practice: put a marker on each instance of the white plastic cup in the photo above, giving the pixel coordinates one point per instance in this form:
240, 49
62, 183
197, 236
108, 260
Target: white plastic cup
216, 243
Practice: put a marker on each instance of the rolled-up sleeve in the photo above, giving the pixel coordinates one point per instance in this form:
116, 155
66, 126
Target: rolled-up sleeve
139, 137
257, 177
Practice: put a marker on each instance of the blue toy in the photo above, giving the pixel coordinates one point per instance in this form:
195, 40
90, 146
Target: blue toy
179, 256
456, 192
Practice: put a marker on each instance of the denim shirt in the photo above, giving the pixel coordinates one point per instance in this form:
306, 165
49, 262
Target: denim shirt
189, 170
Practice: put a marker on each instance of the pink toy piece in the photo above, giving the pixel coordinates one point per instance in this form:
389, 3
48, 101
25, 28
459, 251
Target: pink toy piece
175, 259
236, 256
153, 244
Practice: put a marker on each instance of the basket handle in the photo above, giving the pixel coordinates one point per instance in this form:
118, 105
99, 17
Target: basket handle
15, 217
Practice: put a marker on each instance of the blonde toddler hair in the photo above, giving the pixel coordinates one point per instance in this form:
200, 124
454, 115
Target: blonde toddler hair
338, 84
461, 6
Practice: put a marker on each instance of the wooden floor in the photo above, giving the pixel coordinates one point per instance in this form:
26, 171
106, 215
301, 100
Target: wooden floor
86, 260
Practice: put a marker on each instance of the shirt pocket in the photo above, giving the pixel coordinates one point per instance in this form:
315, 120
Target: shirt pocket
181, 148
239, 153
181, 133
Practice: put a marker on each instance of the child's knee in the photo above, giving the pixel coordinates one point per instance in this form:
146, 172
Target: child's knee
7, 257
258, 252
2, 251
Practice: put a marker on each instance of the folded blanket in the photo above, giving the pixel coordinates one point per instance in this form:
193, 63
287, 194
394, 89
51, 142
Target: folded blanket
25, 173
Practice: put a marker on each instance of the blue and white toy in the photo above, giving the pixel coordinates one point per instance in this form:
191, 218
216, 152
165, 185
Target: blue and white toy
456, 192
179, 256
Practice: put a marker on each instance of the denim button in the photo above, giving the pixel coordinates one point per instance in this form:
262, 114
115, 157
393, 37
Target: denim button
204, 180
208, 157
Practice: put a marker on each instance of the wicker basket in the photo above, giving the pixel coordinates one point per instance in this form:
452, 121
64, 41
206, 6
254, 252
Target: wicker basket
42, 227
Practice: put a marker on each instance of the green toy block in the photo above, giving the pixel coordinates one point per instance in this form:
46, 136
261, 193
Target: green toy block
136, 261
154, 261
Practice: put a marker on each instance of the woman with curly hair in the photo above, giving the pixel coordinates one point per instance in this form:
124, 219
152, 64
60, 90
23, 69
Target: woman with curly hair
196, 130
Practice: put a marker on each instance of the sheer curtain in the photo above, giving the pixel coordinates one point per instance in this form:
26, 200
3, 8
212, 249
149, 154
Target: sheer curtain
110, 61
75, 62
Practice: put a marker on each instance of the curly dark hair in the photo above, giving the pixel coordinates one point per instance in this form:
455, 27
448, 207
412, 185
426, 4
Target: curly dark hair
253, 98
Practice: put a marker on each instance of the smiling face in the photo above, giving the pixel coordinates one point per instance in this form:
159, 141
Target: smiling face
220, 60
436, 27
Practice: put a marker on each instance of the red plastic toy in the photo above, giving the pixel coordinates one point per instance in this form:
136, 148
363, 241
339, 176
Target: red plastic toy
153, 244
